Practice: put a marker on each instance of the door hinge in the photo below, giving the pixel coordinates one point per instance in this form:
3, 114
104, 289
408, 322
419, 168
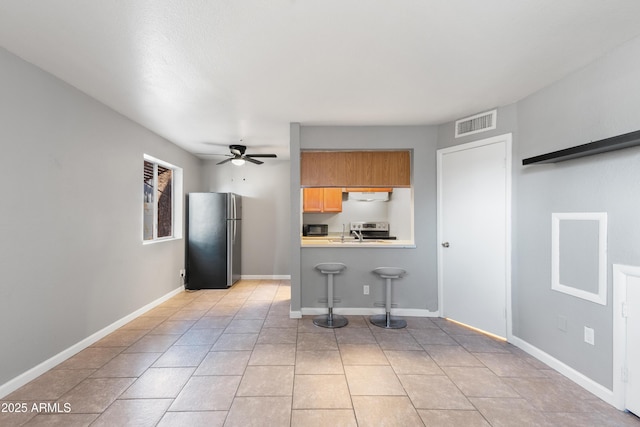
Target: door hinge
624, 375
625, 312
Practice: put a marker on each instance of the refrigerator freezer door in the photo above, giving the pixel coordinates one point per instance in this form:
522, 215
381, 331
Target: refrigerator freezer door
234, 234
234, 238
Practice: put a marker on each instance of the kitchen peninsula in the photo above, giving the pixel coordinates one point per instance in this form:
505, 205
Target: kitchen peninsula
388, 174
409, 164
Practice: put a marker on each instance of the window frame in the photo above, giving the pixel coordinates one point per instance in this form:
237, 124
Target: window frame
176, 202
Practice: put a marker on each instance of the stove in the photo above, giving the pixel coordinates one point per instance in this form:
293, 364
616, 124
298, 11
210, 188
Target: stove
378, 230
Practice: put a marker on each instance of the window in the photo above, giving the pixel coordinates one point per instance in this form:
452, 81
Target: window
162, 200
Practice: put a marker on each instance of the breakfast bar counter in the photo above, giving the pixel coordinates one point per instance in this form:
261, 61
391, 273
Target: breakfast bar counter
337, 242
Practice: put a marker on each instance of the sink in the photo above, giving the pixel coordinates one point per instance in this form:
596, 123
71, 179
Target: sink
346, 240
330, 267
389, 272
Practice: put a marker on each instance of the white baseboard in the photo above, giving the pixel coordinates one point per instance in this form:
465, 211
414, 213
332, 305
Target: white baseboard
266, 277
368, 311
575, 376
22, 379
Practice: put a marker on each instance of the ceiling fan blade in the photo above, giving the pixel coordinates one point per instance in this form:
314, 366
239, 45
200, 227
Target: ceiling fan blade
273, 156
249, 159
225, 161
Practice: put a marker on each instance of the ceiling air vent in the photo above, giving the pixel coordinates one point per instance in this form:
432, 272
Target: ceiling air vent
478, 123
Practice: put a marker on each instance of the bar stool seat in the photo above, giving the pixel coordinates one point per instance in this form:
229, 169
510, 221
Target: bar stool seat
330, 320
386, 320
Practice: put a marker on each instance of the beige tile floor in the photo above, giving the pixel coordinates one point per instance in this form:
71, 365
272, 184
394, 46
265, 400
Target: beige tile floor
234, 358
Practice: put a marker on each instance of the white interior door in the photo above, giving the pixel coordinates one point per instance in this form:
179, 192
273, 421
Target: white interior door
473, 226
632, 392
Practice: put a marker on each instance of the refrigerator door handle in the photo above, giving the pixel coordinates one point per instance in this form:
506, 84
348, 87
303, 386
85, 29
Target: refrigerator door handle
234, 213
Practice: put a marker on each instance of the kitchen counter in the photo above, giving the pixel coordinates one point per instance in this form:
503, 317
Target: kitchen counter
332, 241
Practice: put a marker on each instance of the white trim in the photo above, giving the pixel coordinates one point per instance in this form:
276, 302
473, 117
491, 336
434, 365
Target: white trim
507, 138
22, 379
295, 314
601, 217
620, 275
177, 195
265, 277
575, 376
359, 311
163, 239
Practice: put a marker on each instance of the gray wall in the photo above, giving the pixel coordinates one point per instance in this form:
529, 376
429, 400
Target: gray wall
71, 252
419, 287
599, 101
266, 215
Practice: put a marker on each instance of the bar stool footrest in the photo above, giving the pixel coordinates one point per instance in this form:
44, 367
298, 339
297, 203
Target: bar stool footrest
326, 300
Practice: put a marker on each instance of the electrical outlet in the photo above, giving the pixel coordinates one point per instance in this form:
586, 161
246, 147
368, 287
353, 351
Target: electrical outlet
365, 289
183, 272
589, 336
562, 323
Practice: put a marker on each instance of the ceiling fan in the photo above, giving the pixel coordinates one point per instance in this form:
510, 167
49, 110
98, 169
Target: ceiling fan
238, 156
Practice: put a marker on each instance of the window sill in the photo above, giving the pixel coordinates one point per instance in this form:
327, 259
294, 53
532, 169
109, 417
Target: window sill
166, 239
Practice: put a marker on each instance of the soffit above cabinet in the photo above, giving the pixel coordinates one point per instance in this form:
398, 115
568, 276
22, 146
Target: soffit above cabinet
355, 168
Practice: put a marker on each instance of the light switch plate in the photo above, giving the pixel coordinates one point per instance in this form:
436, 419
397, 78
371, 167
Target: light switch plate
589, 336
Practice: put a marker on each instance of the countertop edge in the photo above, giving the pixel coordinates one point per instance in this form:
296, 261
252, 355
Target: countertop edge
361, 246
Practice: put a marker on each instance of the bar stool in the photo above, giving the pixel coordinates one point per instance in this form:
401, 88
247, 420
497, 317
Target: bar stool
386, 320
330, 320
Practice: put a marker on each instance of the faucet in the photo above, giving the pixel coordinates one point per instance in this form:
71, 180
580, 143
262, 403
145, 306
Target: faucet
342, 237
359, 236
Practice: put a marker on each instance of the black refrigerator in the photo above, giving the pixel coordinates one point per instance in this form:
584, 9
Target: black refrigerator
214, 230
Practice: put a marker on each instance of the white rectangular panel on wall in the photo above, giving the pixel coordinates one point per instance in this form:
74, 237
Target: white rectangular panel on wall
579, 255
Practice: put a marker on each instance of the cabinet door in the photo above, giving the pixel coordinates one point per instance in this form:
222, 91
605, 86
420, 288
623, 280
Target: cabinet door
332, 200
322, 168
312, 199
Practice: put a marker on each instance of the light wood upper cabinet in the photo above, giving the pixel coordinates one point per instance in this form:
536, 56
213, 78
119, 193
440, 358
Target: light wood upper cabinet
355, 169
313, 199
322, 200
332, 200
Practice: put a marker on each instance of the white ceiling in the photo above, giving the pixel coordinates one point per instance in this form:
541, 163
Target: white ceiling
198, 71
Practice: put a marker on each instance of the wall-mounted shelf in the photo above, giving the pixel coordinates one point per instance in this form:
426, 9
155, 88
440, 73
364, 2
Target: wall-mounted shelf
619, 142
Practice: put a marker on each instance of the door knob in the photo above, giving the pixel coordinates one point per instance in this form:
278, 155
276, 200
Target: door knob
445, 244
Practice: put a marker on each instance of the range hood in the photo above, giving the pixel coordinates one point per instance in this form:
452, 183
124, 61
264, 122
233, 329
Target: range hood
369, 196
